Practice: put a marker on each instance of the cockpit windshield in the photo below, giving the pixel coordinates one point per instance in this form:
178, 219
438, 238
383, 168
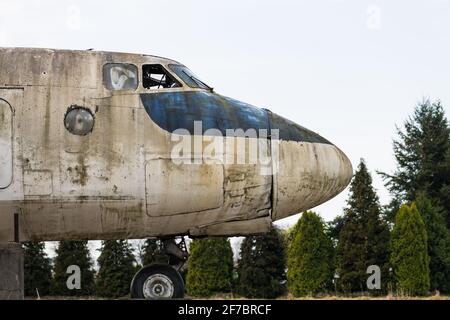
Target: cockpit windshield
189, 77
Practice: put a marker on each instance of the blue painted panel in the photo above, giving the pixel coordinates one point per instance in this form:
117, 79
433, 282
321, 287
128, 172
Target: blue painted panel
179, 110
173, 111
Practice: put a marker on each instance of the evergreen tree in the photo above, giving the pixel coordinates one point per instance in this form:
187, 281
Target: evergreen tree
37, 269
210, 267
154, 252
334, 227
117, 269
73, 253
422, 153
409, 257
438, 243
363, 237
310, 254
261, 267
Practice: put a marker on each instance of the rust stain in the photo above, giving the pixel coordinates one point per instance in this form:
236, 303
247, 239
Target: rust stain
80, 172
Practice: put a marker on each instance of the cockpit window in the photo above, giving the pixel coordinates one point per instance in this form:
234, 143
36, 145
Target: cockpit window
120, 76
189, 77
154, 76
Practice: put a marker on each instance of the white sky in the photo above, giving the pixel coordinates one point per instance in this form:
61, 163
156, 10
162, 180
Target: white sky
349, 70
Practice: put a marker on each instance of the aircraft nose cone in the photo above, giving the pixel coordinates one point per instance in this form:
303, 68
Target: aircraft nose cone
311, 170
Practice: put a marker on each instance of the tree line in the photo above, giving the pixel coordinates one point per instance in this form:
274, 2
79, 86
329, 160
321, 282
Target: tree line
407, 241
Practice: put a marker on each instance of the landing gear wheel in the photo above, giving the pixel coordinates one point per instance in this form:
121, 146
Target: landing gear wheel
157, 281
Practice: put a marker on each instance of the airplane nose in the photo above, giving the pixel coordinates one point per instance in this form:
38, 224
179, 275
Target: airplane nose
311, 170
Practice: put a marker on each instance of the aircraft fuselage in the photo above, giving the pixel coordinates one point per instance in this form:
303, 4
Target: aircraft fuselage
101, 145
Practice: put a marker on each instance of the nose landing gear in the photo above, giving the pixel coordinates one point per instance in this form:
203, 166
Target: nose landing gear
162, 281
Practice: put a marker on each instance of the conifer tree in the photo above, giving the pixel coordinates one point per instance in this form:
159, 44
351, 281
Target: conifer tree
438, 243
116, 269
154, 252
37, 269
70, 253
334, 227
210, 267
261, 267
363, 237
409, 257
310, 253
422, 152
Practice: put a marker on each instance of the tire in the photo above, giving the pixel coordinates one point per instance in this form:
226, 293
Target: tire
157, 281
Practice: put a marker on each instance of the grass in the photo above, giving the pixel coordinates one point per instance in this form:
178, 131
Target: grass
229, 296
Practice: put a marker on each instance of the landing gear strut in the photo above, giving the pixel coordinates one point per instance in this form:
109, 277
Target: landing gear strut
162, 281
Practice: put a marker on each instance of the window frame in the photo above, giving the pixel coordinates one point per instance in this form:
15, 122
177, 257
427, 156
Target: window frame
170, 73
202, 86
124, 64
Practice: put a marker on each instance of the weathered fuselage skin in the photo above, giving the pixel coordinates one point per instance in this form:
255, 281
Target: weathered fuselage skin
120, 181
